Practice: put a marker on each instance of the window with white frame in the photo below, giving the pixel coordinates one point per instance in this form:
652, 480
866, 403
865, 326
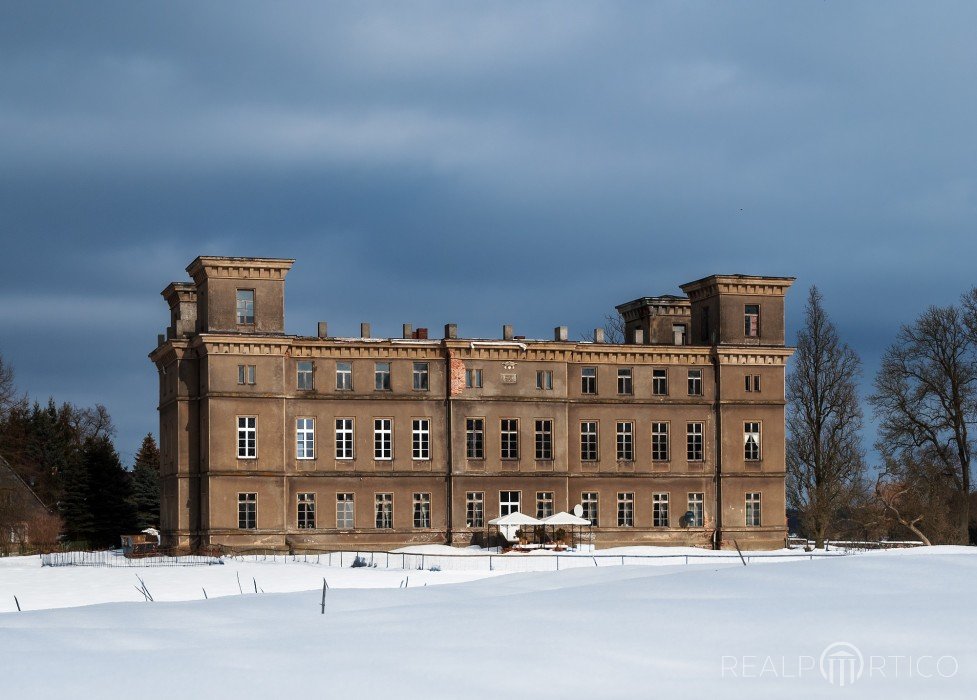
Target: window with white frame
659, 509
475, 438
422, 510
625, 385
382, 438
510, 438
659, 442
345, 505
625, 441
544, 504
588, 441
304, 379
420, 375
693, 442
588, 380
544, 379
381, 376
589, 501
306, 511
509, 502
753, 509
384, 503
247, 437
245, 374
247, 511
344, 376
344, 438
475, 509
751, 441
751, 320
421, 438
245, 307
473, 379
544, 438
625, 509
752, 382
659, 382
305, 438
695, 507
695, 382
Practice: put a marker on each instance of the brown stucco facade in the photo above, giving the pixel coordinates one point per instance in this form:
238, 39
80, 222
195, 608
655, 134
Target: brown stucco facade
265, 445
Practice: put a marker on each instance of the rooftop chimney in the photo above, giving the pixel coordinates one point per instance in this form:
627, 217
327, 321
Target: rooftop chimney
323, 329
364, 330
450, 331
560, 333
598, 335
507, 332
408, 330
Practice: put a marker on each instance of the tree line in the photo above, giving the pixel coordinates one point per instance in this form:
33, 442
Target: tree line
924, 399
67, 456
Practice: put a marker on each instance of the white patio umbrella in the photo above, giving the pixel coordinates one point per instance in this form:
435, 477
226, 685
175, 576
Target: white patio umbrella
562, 519
508, 524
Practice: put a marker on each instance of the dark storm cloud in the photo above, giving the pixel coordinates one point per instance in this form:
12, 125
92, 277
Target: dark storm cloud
480, 163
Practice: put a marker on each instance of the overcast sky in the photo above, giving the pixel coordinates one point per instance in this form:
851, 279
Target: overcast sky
476, 163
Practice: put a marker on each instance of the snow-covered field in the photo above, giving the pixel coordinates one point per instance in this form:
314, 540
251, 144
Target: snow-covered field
775, 630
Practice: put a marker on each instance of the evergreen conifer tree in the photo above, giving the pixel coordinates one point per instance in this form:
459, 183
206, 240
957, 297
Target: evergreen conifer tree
146, 484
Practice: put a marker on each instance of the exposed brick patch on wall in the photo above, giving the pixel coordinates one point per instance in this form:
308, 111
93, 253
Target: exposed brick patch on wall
456, 379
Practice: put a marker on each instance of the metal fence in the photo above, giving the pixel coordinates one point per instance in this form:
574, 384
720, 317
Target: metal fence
116, 558
513, 563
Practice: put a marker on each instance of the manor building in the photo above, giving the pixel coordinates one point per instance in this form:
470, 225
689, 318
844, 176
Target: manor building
269, 440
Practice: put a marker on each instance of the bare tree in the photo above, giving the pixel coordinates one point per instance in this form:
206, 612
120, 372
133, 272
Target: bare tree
613, 330
825, 461
7, 390
926, 395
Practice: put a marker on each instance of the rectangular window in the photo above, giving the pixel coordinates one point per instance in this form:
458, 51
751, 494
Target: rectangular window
752, 382
305, 438
625, 442
544, 439
693, 442
382, 438
304, 377
659, 509
306, 511
245, 374
344, 438
247, 511
247, 437
420, 374
245, 306
751, 320
384, 510
475, 438
753, 509
588, 441
422, 510
588, 380
421, 438
473, 379
678, 333
344, 511
624, 384
751, 441
510, 438
659, 382
509, 502
544, 379
695, 507
344, 376
659, 442
381, 376
588, 499
625, 509
544, 504
475, 509
695, 382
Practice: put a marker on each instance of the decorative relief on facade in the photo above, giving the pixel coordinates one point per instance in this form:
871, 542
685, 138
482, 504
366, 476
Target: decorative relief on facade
508, 378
